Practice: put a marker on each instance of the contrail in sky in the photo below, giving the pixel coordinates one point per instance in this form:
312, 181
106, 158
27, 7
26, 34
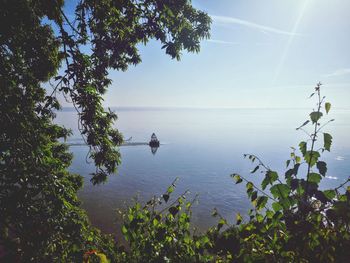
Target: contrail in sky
263, 28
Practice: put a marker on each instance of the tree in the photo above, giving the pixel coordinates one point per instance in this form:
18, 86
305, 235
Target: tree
41, 220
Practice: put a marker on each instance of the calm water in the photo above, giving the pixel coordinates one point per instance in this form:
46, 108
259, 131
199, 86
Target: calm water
202, 148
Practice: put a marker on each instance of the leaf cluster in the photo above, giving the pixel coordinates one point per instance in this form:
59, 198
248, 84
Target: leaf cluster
160, 231
41, 219
113, 30
293, 218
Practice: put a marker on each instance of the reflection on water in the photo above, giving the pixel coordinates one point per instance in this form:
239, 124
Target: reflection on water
154, 149
202, 148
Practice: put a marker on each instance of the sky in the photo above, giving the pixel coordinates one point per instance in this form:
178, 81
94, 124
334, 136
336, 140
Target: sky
261, 54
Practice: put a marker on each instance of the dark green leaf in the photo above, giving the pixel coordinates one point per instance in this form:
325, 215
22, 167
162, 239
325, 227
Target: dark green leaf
276, 207
264, 183
302, 147
270, 177
327, 139
166, 197
315, 116
287, 163
330, 194
294, 183
261, 202
311, 157
305, 123
280, 190
314, 178
255, 169
322, 167
327, 106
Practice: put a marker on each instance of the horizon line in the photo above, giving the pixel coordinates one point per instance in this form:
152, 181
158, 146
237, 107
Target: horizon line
202, 108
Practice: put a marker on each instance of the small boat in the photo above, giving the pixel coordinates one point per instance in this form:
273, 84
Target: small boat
154, 142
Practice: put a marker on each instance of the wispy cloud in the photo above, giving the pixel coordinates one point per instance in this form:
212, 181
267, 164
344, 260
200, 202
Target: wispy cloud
339, 72
262, 28
224, 42
217, 41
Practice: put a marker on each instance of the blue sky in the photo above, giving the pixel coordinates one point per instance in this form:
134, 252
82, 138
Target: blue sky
262, 53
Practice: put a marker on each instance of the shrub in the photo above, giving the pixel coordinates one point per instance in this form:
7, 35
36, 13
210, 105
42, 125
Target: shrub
293, 220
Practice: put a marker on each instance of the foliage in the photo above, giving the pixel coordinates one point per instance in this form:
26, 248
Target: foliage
160, 232
113, 29
41, 220
292, 219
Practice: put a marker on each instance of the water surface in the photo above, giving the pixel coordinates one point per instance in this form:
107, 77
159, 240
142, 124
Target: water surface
201, 147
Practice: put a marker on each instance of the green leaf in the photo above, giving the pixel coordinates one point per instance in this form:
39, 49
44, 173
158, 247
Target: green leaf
250, 189
238, 218
276, 207
249, 186
322, 167
327, 140
311, 157
237, 178
261, 202
302, 147
280, 190
287, 163
264, 183
102, 257
155, 222
314, 178
330, 194
285, 203
221, 223
327, 106
292, 171
273, 176
270, 177
305, 123
170, 189
124, 229
315, 116
255, 169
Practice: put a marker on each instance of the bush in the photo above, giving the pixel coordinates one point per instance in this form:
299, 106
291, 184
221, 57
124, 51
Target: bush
293, 220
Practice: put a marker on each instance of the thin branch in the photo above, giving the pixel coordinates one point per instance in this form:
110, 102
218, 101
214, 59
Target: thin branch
314, 135
69, 23
258, 189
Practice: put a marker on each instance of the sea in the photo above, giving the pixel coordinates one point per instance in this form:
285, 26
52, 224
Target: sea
201, 148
